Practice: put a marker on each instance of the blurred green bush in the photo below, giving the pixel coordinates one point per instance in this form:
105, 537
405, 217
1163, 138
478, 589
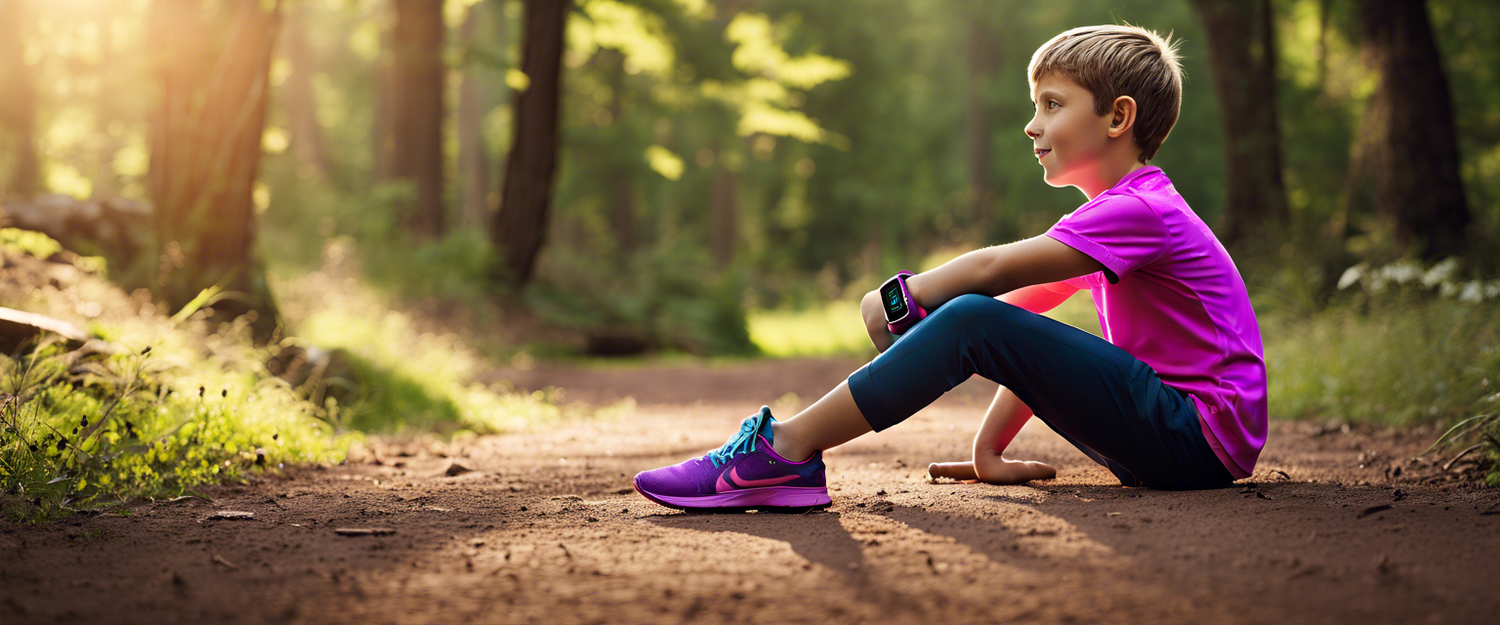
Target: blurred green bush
672, 298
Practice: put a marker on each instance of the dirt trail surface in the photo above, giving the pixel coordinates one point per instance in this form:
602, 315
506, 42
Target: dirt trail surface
1335, 527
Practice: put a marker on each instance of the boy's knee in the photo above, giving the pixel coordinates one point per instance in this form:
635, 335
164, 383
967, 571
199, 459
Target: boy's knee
974, 307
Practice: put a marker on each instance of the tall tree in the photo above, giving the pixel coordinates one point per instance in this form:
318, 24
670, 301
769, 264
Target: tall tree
301, 102
1242, 53
206, 148
981, 64
520, 228
18, 104
417, 113
622, 189
724, 190
473, 160
1413, 147
726, 209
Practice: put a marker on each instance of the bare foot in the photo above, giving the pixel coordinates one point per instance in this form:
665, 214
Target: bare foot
994, 470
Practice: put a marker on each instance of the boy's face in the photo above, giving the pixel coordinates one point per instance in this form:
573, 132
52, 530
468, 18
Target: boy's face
1069, 139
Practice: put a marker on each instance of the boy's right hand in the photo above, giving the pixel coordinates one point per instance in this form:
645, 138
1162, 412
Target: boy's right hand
874, 315
993, 470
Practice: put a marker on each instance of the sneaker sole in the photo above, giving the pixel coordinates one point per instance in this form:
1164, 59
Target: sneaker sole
748, 499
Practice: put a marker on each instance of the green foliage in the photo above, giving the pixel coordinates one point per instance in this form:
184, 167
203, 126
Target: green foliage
831, 329
29, 242
458, 267
405, 379
1413, 360
1402, 343
674, 298
1484, 428
96, 429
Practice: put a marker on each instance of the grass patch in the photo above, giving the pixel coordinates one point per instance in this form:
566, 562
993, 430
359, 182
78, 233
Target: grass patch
832, 329
410, 379
84, 429
157, 408
1420, 362
1396, 364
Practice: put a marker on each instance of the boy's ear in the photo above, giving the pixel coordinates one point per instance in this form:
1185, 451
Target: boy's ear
1122, 116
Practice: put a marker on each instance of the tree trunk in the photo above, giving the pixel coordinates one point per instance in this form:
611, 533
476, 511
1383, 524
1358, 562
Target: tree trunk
473, 161
622, 202
18, 105
977, 121
383, 78
623, 212
726, 210
417, 113
724, 201
301, 102
1242, 53
521, 226
1413, 145
206, 154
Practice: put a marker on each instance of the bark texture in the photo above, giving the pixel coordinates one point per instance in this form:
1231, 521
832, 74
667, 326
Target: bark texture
473, 160
1242, 53
417, 113
622, 191
726, 209
1412, 144
206, 148
17, 105
520, 228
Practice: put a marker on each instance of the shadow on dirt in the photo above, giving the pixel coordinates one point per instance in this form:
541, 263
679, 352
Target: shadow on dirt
817, 537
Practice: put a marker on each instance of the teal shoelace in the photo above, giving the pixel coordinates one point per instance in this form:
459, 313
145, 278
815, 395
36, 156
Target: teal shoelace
742, 442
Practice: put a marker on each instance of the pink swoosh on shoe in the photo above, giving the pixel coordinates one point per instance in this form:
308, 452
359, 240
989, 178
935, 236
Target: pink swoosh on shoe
739, 482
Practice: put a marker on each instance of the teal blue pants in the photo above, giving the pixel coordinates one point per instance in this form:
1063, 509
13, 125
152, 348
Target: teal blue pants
1104, 401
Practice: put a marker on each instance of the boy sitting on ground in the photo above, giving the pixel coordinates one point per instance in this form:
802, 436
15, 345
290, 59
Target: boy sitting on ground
1172, 397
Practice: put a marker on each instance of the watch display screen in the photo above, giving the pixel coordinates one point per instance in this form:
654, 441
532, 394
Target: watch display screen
894, 301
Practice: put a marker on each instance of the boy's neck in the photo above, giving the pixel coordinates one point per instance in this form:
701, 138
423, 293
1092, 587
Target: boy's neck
1109, 174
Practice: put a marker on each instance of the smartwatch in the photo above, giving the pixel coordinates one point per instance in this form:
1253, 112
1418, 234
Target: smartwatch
901, 311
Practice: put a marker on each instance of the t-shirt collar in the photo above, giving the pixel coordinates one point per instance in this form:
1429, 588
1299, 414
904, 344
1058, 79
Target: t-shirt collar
1144, 171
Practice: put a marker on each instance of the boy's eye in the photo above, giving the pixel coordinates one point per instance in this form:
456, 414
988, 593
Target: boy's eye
1052, 104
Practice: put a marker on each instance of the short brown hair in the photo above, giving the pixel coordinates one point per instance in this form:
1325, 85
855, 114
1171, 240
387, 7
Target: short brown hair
1112, 61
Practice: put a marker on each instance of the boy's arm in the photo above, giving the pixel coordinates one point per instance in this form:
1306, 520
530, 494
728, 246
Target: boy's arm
998, 270
993, 271
1040, 298
1006, 416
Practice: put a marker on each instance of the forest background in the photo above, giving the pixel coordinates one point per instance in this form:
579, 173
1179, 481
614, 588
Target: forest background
427, 188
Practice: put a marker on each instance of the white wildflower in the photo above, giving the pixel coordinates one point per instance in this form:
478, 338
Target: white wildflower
1441, 273
1352, 275
1473, 292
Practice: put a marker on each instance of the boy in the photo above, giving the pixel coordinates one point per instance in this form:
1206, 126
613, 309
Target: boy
1173, 396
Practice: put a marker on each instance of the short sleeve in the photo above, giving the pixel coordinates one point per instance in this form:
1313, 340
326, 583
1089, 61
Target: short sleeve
1121, 232
1086, 281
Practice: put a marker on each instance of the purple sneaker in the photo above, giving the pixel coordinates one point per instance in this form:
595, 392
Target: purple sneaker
744, 473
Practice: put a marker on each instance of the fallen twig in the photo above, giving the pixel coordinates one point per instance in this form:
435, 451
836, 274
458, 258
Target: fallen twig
364, 531
1461, 454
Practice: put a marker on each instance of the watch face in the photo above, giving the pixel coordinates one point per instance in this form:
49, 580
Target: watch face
893, 299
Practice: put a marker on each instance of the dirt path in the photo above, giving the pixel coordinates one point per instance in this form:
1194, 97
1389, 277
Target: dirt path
545, 528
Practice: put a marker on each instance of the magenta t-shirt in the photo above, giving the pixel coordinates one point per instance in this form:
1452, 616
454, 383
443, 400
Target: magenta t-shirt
1170, 296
